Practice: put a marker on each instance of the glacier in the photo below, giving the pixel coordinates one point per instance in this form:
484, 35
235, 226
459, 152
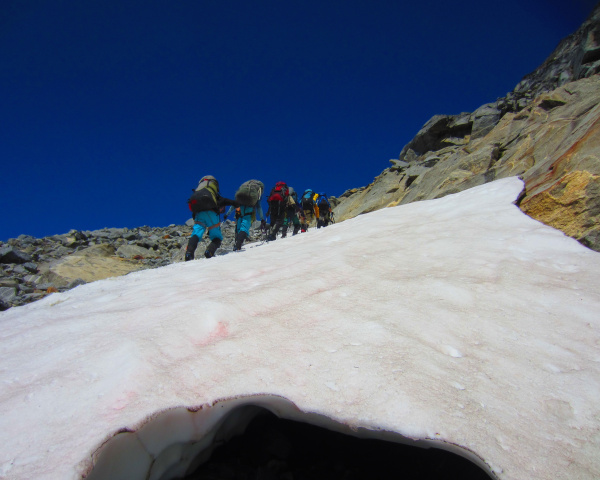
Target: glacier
457, 323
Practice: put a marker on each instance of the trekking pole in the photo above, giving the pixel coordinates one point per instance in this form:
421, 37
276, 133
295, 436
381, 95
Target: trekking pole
265, 231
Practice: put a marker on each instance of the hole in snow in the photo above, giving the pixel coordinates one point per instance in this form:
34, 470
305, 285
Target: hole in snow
248, 438
277, 449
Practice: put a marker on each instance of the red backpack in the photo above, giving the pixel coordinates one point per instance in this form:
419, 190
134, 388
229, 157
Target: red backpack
279, 193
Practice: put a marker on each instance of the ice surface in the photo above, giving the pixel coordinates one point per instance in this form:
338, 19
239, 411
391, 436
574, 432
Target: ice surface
458, 320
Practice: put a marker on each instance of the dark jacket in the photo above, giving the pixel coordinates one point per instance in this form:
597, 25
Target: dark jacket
224, 202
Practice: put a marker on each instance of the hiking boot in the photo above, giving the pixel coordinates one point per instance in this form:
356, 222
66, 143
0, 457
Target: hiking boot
191, 248
271, 237
212, 248
239, 240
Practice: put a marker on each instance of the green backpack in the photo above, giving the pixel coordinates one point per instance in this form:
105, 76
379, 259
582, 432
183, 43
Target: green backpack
249, 193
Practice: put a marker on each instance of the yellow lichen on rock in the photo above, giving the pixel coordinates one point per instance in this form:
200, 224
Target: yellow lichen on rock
564, 204
93, 263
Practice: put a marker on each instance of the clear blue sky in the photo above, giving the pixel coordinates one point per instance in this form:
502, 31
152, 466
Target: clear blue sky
112, 110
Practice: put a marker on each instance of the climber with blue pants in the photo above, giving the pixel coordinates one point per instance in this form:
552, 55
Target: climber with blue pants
247, 198
206, 203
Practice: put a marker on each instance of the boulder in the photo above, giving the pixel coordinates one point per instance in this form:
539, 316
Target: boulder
7, 295
75, 283
435, 135
30, 267
110, 233
484, 119
10, 254
93, 263
27, 240
131, 251
9, 282
398, 165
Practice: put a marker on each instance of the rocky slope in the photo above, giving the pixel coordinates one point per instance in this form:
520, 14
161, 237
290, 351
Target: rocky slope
31, 268
546, 131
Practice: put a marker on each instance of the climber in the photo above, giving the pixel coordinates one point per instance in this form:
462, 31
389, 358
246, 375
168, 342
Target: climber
277, 200
205, 204
248, 198
324, 210
307, 206
291, 213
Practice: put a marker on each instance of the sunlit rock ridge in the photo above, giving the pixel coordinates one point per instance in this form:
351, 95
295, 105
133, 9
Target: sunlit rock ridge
547, 130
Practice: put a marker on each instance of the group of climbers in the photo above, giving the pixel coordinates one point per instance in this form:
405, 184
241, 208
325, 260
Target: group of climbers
285, 209
315, 206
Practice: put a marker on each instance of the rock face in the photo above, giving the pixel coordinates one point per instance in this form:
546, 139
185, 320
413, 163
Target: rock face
546, 131
31, 268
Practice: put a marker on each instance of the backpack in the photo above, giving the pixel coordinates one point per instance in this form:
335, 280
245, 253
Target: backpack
249, 193
292, 193
323, 202
292, 198
205, 196
279, 193
308, 193
307, 201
